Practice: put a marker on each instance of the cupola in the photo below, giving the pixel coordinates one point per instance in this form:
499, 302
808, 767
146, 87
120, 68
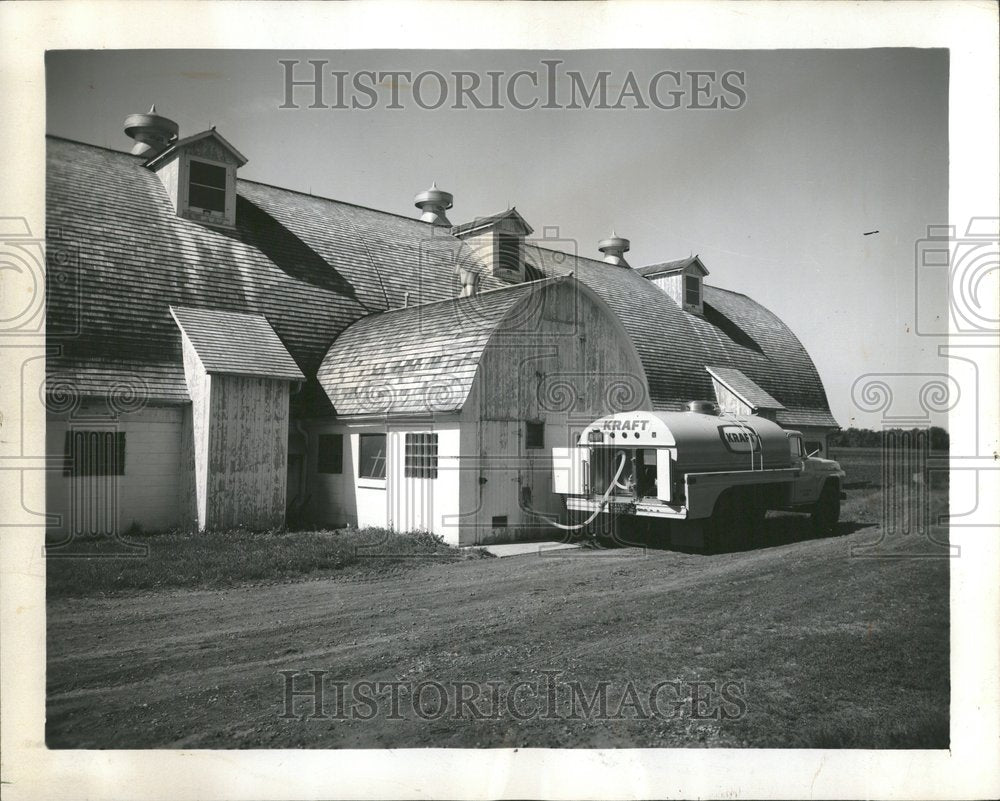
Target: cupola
198, 171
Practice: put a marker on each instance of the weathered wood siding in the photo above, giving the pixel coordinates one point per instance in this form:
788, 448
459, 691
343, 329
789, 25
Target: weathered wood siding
247, 452
729, 402
235, 446
562, 362
145, 495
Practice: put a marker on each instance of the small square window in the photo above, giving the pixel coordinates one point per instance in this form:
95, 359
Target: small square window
534, 436
330, 456
500, 521
421, 457
371, 456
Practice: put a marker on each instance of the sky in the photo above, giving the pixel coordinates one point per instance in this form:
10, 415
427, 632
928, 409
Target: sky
775, 196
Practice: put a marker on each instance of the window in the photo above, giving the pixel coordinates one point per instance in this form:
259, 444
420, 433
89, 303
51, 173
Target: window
796, 446
509, 252
330, 458
534, 436
94, 453
692, 290
207, 186
421, 456
500, 521
371, 453
814, 446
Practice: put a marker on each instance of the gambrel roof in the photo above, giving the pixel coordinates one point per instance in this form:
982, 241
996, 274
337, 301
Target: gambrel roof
417, 359
118, 257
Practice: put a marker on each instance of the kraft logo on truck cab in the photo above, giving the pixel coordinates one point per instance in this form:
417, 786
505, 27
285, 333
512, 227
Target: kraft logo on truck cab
625, 425
739, 440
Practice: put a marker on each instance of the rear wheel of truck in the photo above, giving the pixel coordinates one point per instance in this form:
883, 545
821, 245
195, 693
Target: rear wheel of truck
720, 528
826, 512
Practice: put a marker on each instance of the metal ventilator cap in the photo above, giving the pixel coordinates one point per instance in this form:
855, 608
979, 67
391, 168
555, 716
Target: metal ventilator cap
434, 203
614, 248
152, 133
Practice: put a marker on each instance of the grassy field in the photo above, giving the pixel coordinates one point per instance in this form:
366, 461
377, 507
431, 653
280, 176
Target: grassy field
867, 467
185, 648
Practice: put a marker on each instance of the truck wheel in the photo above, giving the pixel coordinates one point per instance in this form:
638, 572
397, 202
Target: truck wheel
826, 513
720, 528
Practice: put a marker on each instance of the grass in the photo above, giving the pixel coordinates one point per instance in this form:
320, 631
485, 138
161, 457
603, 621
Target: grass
864, 466
220, 559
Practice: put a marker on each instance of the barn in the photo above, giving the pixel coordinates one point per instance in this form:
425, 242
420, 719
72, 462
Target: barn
226, 353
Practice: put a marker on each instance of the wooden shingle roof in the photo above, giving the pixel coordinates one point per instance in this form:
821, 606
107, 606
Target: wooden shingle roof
236, 344
118, 257
675, 346
419, 359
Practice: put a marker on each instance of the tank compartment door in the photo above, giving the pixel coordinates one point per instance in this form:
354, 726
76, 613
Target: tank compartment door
664, 477
570, 471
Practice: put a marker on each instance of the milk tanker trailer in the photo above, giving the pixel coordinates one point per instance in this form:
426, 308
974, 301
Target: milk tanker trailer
700, 477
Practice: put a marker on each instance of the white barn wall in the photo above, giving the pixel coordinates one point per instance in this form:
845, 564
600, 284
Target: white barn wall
147, 494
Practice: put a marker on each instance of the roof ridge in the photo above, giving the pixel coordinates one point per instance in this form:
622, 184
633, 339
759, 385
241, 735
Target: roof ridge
511, 288
254, 181
96, 147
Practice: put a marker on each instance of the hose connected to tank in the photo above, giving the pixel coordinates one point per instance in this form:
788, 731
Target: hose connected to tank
600, 507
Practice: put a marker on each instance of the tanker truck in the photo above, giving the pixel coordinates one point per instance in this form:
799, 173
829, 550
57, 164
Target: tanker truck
701, 478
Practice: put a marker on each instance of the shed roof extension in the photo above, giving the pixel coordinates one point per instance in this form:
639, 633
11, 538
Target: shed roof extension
236, 344
744, 388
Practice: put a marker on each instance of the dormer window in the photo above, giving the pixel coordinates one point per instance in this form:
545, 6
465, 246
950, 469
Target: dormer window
681, 279
207, 186
199, 174
496, 243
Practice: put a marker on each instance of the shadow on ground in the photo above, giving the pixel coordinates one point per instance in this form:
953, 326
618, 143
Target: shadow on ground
778, 530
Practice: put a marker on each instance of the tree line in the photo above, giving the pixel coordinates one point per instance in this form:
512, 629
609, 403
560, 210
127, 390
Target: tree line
866, 438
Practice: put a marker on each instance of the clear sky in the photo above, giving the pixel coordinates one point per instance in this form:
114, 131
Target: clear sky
775, 196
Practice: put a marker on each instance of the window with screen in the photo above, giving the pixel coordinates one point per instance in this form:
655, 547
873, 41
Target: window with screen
207, 186
509, 251
692, 290
534, 435
371, 456
421, 456
94, 453
330, 458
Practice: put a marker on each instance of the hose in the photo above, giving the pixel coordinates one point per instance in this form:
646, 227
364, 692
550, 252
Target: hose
604, 499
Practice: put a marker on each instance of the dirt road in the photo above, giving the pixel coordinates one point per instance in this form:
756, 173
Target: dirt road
814, 647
